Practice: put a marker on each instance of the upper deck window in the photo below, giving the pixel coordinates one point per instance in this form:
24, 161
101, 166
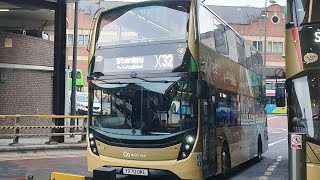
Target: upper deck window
146, 23
300, 12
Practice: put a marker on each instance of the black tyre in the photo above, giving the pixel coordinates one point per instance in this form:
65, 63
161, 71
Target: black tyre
225, 161
259, 157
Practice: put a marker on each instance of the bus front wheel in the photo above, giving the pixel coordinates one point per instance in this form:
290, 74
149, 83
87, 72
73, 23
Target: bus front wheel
225, 161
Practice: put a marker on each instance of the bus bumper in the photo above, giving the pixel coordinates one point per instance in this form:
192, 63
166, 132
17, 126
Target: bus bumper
313, 171
189, 168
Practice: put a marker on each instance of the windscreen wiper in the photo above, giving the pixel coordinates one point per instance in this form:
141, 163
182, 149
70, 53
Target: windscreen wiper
134, 75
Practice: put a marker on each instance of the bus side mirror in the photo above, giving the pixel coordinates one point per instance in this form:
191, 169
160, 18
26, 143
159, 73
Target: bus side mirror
202, 89
280, 97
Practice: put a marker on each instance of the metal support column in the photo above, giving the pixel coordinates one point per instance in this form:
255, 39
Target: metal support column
297, 156
59, 66
74, 66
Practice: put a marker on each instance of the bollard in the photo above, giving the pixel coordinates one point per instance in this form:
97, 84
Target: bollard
16, 132
297, 156
51, 141
84, 130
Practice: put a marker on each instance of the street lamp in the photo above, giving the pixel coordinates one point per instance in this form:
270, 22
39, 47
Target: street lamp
265, 32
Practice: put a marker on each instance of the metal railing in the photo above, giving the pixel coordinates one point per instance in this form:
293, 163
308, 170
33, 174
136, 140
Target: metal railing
17, 120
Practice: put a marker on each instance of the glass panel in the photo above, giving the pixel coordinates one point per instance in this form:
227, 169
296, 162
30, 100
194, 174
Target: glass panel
304, 104
81, 40
70, 40
241, 49
268, 86
149, 38
255, 44
278, 47
141, 108
223, 109
299, 12
235, 109
269, 47
78, 75
144, 24
206, 28
86, 40
220, 38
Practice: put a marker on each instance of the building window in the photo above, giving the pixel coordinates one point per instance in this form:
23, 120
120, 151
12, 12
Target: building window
257, 45
275, 47
275, 19
69, 40
81, 40
269, 47
86, 40
278, 47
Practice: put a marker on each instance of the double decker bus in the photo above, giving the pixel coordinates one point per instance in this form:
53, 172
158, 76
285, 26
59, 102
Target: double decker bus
271, 106
185, 92
303, 76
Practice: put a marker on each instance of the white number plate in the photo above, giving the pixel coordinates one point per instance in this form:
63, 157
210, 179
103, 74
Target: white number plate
131, 171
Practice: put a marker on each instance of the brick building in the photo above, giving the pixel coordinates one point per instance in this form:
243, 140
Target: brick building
83, 38
26, 83
250, 23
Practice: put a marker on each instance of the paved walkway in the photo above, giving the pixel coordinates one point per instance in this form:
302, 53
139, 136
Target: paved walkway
39, 147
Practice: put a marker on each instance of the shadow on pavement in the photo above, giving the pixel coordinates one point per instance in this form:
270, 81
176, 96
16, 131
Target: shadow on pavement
237, 170
234, 172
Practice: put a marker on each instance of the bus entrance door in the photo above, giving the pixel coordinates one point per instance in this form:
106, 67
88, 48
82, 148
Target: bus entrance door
209, 149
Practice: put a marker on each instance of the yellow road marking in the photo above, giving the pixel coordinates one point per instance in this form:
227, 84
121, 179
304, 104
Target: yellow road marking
268, 173
271, 169
273, 166
264, 178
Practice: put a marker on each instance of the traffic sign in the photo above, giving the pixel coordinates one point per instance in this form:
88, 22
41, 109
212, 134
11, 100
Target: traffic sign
296, 142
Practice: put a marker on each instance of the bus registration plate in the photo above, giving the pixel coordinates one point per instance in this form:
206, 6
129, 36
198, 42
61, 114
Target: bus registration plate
132, 171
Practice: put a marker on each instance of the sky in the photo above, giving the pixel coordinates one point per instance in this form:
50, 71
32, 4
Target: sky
256, 3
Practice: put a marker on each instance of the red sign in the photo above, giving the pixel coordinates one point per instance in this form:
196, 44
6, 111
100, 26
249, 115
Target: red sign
296, 142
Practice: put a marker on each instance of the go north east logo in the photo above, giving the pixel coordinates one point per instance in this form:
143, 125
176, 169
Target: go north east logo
128, 155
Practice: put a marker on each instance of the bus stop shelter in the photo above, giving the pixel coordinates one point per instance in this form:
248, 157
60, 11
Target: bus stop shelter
28, 13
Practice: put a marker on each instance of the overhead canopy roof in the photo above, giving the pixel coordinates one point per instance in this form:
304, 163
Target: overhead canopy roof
27, 14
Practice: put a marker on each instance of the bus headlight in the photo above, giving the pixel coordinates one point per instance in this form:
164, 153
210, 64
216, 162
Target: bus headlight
189, 139
90, 136
187, 145
92, 144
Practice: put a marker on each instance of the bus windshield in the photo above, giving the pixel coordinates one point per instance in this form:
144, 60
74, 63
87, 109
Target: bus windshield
304, 103
301, 12
149, 107
142, 37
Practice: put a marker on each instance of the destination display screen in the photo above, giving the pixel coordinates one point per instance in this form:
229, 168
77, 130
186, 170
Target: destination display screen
161, 57
310, 46
317, 37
